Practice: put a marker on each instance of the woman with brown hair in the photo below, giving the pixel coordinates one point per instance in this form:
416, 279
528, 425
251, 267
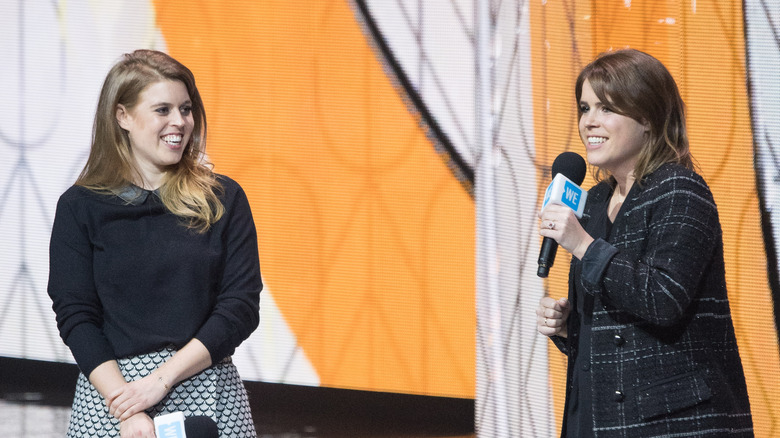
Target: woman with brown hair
647, 325
154, 267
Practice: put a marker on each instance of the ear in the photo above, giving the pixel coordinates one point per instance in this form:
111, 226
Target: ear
123, 117
646, 125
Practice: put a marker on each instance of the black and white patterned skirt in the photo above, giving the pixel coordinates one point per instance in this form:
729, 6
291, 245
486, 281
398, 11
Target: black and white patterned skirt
216, 392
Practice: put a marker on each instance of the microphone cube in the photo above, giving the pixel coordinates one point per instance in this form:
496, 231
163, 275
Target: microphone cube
563, 191
170, 425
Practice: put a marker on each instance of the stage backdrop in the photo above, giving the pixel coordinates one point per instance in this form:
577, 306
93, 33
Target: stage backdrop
356, 129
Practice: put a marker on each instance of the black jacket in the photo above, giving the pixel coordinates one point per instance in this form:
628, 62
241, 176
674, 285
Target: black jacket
664, 354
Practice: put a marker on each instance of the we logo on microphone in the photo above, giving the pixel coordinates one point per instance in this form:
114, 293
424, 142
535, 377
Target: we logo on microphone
563, 191
170, 425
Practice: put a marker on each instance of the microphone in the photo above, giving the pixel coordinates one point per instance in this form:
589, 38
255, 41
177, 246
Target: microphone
174, 425
201, 426
568, 171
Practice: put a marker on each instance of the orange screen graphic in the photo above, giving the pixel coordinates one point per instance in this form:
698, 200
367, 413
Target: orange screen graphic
366, 240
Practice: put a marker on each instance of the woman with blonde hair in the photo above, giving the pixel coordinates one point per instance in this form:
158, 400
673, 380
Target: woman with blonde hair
154, 267
646, 325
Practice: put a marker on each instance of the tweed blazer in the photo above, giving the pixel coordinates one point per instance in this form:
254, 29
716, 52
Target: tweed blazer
664, 354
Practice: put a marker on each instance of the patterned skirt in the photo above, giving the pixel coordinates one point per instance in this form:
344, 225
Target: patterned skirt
216, 392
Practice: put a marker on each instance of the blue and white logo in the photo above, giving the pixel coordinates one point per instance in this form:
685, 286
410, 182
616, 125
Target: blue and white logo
571, 195
172, 430
563, 191
170, 425
547, 196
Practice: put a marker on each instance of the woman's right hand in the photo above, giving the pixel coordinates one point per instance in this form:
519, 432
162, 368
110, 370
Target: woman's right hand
551, 316
139, 425
136, 396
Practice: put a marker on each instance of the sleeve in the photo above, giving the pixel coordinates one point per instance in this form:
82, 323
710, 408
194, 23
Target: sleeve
595, 261
658, 284
72, 289
236, 312
562, 344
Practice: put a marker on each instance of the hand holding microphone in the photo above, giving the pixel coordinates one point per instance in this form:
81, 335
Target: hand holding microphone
564, 202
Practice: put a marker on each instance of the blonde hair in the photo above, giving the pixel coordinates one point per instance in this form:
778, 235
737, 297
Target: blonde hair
638, 85
190, 189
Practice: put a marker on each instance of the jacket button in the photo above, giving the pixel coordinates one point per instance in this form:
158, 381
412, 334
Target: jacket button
619, 340
619, 396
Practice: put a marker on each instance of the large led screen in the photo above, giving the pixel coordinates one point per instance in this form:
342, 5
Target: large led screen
358, 129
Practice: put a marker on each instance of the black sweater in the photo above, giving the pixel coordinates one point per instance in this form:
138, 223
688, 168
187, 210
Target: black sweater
128, 277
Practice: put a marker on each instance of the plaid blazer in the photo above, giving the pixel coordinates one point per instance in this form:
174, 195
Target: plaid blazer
664, 355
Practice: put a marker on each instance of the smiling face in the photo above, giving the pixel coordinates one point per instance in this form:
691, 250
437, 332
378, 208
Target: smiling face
159, 127
612, 141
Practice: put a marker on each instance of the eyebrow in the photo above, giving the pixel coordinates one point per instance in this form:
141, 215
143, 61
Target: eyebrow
186, 102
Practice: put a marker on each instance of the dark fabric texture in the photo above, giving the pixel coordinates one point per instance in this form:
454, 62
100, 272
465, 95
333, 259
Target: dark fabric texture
128, 277
664, 354
579, 409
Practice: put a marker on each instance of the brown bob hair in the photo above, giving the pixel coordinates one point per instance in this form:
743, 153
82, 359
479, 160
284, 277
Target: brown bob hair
637, 85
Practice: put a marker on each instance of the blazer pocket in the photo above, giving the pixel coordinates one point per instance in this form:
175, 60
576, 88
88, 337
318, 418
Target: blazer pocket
671, 395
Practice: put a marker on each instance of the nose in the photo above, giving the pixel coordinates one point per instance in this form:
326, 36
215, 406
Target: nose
589, 119
177, 119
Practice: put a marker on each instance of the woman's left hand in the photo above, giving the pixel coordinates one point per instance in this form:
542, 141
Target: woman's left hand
136, 396
559, 223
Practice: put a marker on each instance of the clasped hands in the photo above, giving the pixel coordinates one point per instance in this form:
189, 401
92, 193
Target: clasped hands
128, 403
